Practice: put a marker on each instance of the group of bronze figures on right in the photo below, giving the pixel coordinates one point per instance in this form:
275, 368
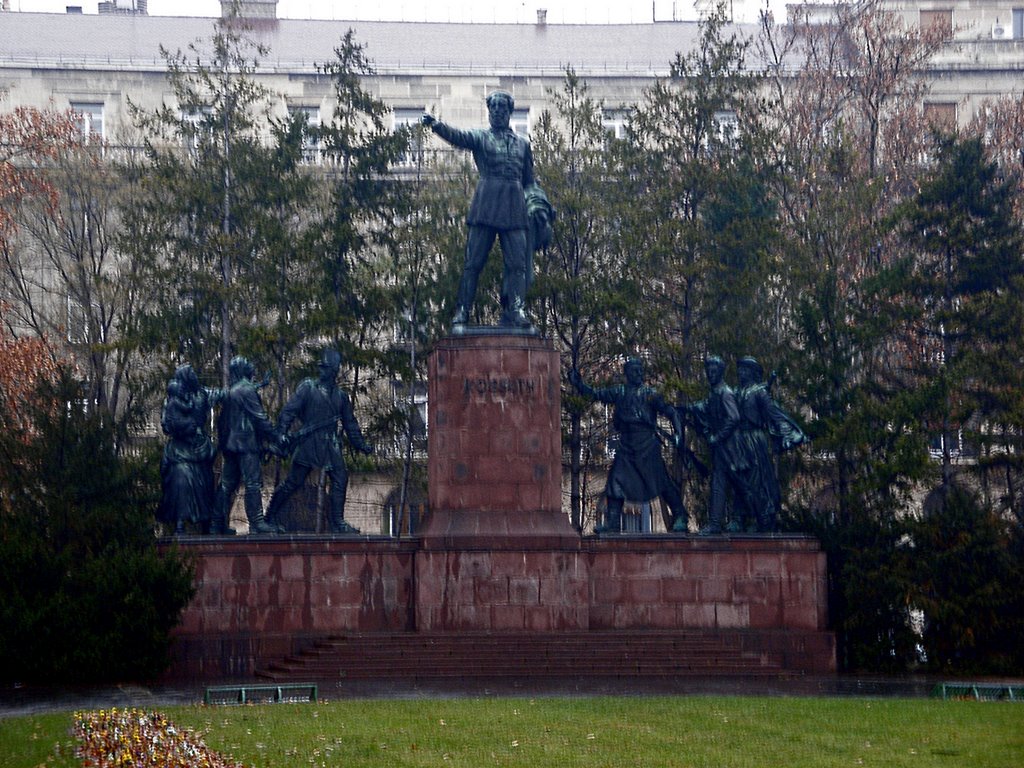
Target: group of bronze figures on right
743, 427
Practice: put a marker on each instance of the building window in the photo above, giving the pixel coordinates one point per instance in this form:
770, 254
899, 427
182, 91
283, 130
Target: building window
520, 121
614, 122
78, 322
197, 125
727, 127
1018, 23
941, 19
311, 148
941, 115
409, 117
88, 120
417, 415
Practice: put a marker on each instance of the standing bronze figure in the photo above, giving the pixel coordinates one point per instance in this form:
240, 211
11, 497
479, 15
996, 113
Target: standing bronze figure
499, 210
319, 404
242, 426
763, 429
638, 471
186, 468
717, 418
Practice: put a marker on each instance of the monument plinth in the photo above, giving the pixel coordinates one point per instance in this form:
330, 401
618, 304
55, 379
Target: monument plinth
497, 552
495, 466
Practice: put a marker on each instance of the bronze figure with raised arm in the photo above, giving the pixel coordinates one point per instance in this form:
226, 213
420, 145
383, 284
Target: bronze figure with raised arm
505, 201
638, 471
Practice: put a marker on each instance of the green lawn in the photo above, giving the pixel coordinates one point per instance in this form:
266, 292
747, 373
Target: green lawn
717, 732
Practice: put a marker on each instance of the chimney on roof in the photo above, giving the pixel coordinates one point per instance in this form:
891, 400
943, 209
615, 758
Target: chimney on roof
123, 7
73, 8
542, 17
249, 9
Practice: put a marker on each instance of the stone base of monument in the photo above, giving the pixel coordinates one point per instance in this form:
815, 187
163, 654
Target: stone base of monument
262, 600
497, 553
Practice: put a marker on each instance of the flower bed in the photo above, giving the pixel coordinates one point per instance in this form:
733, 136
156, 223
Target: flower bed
130, 738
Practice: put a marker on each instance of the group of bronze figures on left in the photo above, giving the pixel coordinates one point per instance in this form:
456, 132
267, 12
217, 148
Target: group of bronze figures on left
245, 434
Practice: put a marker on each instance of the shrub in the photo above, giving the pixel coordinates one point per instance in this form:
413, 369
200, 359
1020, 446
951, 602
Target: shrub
87, 596
968, 585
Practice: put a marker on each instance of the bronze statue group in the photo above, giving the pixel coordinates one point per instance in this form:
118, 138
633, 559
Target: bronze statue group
743, 427
244, 434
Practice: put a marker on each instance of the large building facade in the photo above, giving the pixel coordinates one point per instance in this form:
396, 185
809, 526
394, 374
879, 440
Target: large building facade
95, 64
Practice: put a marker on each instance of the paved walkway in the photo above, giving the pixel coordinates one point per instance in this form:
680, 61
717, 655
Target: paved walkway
24, 700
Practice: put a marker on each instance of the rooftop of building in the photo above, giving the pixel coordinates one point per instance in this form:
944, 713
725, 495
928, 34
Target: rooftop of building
296, 45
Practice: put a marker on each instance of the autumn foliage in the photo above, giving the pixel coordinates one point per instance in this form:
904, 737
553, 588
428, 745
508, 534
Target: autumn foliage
25, 363
28, 138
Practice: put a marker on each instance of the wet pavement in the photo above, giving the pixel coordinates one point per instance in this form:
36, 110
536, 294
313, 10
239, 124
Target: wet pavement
25, 700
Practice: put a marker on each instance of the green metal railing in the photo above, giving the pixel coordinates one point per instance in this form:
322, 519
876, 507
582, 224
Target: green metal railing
260, 694
980, 691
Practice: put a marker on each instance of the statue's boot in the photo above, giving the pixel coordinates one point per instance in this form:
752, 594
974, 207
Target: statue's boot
513, 302
713, 528
612, 519
515, 316
254, 511
219, 521
716, 518
338, 524
464, 298
274, 509
674, 501
336, 518
344, 527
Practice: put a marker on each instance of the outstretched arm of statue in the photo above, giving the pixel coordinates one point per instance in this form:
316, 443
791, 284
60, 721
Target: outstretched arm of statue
351, 426
579, 384
677, 426
785, 432
454, 136
293, 408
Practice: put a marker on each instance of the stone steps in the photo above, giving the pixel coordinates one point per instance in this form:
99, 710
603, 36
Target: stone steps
385, 656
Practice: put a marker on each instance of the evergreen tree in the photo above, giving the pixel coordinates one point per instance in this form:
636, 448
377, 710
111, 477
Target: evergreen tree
961, 285
850, 135
87, 596
587, 298
851, 132
206, 174
963, 277
967, 586
287, 235
352, 273
703, 221
870, 573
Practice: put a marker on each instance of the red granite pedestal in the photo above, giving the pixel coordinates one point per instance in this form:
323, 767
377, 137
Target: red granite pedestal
497, 552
